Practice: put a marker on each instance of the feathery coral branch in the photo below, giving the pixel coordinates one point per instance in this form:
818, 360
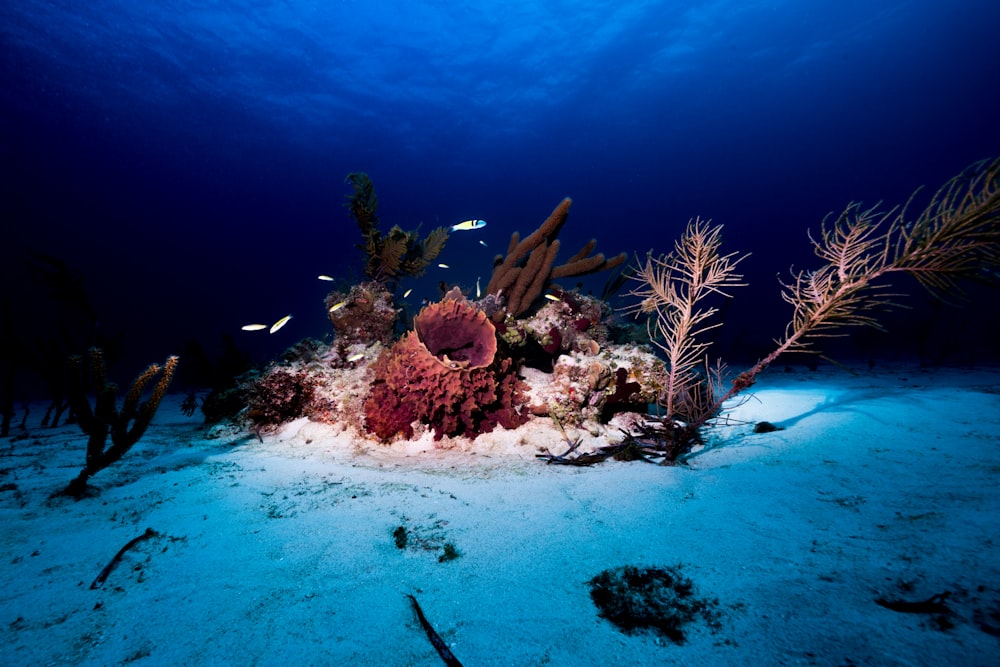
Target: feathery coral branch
957, 236
672, 288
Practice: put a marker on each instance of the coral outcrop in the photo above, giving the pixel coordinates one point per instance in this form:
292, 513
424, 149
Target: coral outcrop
280, 395
445, 374
527, 269
584, 387
572, 322
364, 314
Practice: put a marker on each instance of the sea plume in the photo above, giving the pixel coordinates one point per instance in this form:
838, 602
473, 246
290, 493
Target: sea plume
956, 237
673, 289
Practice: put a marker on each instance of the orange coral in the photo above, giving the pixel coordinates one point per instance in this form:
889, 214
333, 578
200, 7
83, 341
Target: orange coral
457, 334
527, 269
445, 374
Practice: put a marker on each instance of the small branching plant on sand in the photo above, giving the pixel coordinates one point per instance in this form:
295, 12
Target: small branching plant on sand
125, 425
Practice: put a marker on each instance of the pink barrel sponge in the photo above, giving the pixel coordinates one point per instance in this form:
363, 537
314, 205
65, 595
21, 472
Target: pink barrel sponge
446, 374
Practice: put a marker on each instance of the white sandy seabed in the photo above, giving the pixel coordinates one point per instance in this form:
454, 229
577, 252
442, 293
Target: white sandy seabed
881, 486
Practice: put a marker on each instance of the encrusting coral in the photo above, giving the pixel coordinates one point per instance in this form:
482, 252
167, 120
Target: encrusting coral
279, 395
445, 373
528, 269
572, 321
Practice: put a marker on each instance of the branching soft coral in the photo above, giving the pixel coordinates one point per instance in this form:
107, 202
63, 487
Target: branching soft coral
395, 254
956, 237
125, 425
673, 289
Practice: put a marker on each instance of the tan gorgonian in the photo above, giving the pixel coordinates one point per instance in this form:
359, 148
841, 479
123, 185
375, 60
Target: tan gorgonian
956, 237
672, 289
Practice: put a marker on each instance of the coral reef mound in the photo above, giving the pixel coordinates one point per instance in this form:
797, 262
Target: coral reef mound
363, 314
445, 374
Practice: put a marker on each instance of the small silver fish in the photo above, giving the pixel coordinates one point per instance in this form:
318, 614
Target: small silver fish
356, 357
552, 297
253, 327
407, 292
443, 266
483, 243
337, 306
468, 225
280, 323
325, 277
478, 293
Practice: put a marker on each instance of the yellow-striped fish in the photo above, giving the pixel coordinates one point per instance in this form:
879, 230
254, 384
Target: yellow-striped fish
253, 327
356, 357
280, 323
552, 297
468, 225
407, 292
337, 306
325, 277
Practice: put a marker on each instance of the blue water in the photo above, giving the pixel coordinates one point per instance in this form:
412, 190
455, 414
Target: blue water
187, 158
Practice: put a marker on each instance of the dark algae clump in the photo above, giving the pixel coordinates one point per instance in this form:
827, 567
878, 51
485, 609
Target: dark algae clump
660, 600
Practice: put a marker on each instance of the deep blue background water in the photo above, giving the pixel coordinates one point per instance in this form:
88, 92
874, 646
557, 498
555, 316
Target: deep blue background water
188, 157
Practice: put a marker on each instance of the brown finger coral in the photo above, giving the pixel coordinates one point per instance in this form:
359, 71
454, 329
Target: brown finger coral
528, 268
445, 373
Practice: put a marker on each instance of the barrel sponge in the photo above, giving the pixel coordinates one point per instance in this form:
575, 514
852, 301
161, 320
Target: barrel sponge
456, 333
445, 373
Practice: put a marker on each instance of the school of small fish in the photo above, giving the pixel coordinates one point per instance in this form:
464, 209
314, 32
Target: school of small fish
464, 226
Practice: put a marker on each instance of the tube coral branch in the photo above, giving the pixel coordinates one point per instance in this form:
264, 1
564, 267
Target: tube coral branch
528, 267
